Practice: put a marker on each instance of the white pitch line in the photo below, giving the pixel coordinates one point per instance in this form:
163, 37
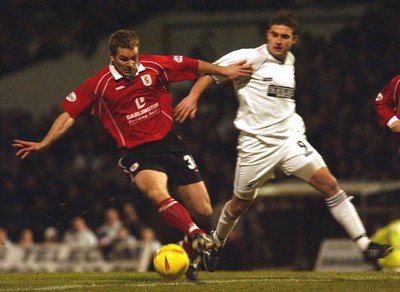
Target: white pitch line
158, 284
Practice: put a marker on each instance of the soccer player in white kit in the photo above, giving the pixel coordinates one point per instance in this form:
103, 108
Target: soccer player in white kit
272, 134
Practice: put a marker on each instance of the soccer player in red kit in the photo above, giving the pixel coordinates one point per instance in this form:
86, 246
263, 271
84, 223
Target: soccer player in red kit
131, 99
387, 105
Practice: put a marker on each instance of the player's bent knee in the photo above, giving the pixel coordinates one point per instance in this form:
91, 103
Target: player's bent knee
246, 195
310, 170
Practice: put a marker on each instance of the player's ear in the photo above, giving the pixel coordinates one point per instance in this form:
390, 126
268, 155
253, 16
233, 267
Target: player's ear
295, 38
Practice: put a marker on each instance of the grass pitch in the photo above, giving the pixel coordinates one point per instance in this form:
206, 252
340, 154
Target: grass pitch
217, 281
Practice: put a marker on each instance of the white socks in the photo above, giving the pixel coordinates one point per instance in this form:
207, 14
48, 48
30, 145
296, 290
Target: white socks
346, 214
225, 225
340, 206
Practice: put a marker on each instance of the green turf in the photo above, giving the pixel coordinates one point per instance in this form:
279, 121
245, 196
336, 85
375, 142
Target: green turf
217, 281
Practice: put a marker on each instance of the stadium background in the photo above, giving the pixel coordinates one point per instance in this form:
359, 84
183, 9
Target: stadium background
339, 72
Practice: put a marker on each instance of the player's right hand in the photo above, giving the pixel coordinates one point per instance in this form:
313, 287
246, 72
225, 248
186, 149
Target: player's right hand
187, 107
26, 147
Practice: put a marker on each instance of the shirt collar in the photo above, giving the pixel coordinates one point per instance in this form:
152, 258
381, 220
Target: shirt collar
272, 58
118, 76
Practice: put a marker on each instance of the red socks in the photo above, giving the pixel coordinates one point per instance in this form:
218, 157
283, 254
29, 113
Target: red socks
175, 215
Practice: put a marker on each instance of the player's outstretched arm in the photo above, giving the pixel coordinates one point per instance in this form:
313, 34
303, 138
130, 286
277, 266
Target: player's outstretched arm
233, 71
60, 126
187, 107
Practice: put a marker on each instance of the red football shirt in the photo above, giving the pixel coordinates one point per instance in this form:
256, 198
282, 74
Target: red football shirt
387, 103
133, 111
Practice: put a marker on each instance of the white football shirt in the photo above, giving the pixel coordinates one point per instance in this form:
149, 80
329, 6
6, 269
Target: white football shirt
266, 104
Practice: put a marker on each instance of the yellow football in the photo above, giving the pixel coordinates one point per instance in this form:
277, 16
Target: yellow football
171, 261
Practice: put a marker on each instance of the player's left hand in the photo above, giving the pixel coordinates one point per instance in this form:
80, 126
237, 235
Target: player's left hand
239, 70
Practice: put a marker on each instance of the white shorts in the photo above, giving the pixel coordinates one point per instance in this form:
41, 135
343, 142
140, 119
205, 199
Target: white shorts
257, 162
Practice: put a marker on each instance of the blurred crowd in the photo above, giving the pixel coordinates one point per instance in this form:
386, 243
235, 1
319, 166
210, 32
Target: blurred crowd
76, 182
115, 228
44, 29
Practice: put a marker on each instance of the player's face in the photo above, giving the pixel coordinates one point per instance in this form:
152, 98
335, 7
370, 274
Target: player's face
126, 61
280, 40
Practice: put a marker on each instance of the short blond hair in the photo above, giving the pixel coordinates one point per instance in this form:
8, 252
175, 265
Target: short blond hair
123, 38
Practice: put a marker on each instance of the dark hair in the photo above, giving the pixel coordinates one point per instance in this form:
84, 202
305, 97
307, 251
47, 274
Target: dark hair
285, 17
123, 38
